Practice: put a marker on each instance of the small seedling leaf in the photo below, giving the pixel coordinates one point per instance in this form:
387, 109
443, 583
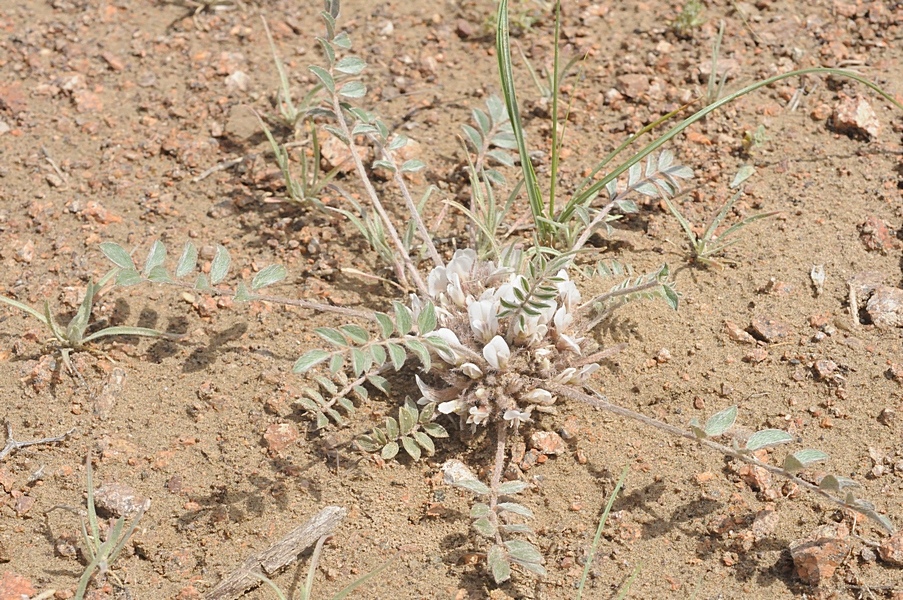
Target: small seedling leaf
397, 142
479, 510
351, 65
802, 459
497, 559
220, 265
518, 509
159, 275
744, 173
522, 551
512, 487
242, 294
473, 485
412, 166
426, 320
155, 257
411, 447
117, 255
425, 442
128, 277
835, 483
368, 443
342, 40
721, 422
484, 527
324, 77
353, 89
435, 430
767, 438
268, 276
187, 261
406, 419
389, 451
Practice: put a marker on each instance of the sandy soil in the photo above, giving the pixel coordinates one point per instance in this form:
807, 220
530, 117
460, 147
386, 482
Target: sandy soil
109, 112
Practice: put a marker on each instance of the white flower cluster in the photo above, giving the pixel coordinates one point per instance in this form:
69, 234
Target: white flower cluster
498, 355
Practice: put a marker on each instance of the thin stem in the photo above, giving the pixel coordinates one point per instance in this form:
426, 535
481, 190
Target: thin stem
501, 439
377, 205
749, 459
590, 229
411, 205
556, 82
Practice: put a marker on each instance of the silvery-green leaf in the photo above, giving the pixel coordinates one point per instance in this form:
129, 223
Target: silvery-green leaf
435, 430
336, 362
404, 318
744, 173
201, 283
268, 276
392, 429
332, 336
338, 133
378, 354
515, 508
531, 566
357, 333
412, 166
117, 255
364, 129
187, 261
342, 40
350, 65
368, 443
128, 277
353, 89
426, 413
802, 459
420, 351
155, 257
426, 320
346, 404
241, 293
360, 361
383, 164
512, 487
389, 451
835, 483
220, 265
397, 142
324, 77
397, 354
322, 420
481, 119
479, 510
309, 360
522, 551
484, 527
411, 447
501, 157
308, 404
380, 436
721, 422
425, 442
473, 485
159, 275
516, 528
406, 420
473, 136
386, 326
767, 438
497, 559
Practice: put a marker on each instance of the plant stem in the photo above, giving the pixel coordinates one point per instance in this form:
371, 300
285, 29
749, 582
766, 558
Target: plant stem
501, 440
749, 459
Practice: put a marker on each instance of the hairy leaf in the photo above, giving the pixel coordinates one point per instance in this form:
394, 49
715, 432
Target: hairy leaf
117, 255
767, 438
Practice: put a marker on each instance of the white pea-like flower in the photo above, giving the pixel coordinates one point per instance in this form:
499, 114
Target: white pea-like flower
497, 353
568, 292
587, 370
462, 264
530, 330
516, 417
437, 281
484, 319
449, 337
471, 370
538, 396
477, 414
455, 290
452, 406
565, 376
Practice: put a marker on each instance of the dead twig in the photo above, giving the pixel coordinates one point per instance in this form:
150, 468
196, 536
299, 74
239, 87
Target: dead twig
273, 559
14, 444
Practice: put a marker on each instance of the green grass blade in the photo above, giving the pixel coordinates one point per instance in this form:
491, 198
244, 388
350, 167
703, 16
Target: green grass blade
24, 307
588, 193
556, 92
125, 330
598, 536
685, 225
506, 75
